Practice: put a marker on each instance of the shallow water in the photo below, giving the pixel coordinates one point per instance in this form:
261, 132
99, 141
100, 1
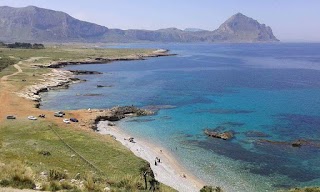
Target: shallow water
258, 91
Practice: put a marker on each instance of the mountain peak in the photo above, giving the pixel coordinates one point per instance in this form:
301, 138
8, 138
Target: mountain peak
239, 15
245, 28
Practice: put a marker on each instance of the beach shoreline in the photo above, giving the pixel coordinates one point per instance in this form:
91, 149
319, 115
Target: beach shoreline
169, 171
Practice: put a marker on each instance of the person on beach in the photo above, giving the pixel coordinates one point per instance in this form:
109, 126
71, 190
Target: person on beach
155, 163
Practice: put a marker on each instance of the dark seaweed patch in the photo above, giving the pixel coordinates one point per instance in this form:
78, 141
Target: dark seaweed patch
270, 160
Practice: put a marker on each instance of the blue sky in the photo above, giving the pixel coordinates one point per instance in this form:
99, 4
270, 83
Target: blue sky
291, 20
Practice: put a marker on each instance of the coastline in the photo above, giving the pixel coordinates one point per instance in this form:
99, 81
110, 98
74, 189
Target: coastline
169, 171
59, 78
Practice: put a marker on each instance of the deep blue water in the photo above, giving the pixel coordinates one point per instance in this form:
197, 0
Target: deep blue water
258, 91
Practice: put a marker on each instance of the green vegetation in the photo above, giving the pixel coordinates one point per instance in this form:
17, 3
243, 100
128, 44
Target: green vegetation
40, 158
6, 61
18, 45
307, 189
211, 189
57, 53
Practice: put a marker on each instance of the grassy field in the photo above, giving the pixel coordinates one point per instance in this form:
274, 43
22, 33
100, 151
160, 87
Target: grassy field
67, 53
32, 148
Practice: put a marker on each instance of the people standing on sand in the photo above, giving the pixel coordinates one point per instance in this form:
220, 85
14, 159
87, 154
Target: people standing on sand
155, 163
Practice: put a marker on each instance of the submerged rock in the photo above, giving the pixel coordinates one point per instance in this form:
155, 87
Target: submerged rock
220, 135
256, 134
297, 143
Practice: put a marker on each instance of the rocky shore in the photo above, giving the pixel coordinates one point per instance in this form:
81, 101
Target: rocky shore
116, 114
57, 78
63, 78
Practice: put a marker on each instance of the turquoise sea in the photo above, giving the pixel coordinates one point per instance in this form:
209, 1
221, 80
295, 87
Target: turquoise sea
258, 91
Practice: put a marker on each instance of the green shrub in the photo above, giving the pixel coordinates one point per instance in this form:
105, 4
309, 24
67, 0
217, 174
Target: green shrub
66, 185
210, 189
22, 182
5, 183
54, 186
312, 189
55, 175
5, 62
16, 175
91, 184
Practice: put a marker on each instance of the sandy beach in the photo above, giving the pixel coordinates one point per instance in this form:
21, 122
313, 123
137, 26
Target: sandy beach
169, 171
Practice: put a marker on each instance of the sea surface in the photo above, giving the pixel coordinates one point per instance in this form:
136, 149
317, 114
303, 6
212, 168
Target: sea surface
260, 92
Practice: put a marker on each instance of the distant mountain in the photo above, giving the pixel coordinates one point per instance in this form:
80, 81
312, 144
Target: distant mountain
193, 29
241, 28
31, 24
37, 24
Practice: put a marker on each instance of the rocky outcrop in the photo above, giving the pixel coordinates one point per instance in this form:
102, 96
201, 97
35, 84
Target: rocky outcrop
121, 112
118, 113
84, 72
220, 135
104, 60
101, 86
53, 80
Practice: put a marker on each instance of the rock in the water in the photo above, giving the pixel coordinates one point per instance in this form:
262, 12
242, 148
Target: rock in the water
224, 135
84, 72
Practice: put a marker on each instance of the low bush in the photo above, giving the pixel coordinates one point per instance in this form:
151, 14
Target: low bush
55, 175
210, 189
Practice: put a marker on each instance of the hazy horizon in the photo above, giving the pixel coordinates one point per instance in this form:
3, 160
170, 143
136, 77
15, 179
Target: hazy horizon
290, 20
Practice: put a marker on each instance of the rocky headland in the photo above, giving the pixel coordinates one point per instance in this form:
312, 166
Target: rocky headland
116, 114
55, 79
104, 60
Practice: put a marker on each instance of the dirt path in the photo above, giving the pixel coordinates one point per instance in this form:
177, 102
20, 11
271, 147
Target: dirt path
5, 78
11, 104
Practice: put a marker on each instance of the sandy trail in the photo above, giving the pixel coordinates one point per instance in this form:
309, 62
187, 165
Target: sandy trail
5, 78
